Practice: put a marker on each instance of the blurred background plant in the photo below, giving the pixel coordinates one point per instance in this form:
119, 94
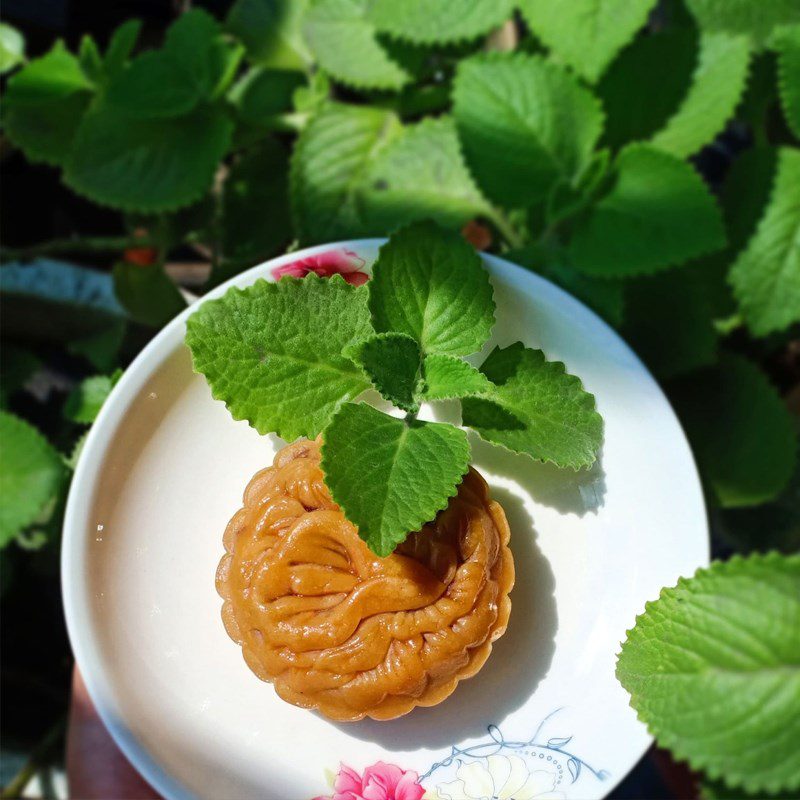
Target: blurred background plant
641, 154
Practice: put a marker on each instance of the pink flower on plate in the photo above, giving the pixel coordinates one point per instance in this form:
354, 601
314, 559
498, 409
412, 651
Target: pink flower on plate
334, 262
381, 781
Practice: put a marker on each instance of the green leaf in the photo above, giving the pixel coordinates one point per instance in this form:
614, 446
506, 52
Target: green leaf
741, 433
345, 43
270, 30
100, 349
430, 284
755, 18
264, 92
669, 321
646, 83
389, 476
766, 275
438, 21
524, 123
12, 48
717, 86
586, 34
717, 790
273, 352
420, 175
536, 408
90, 59
120, 46
329, 160
449, 378
254, 221
54, 301
16, 367
657, 214
147, 165
30, 475
788, 47
147, 293
392, 363
84, 402
44, 103
712, 668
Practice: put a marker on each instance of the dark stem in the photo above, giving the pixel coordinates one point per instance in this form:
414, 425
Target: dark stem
90, 244
36, 760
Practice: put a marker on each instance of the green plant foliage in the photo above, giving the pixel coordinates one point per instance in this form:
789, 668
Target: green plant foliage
345, 42
254, 220
755, 18
766, 276
717, 86
147, 294
420, 174
449, 378
16, 367
438, 21
12, 48
524, 124
120, 47
788, 46
329, 158
90, 60
273, 353
270, 30
537, 408
657, 214
412, 291
43, 105
413, 468
264, 92
392, 362
712, 668
742, 434
30, 475
84, 402
586, 34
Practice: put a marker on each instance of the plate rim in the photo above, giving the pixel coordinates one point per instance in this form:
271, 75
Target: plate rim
80, 498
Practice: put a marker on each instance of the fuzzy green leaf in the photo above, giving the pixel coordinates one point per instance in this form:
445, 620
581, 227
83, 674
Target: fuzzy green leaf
755, 18
84, 402
524, 123
717, 86
270, 30
788, 47
120, 46
448, 378
147, 293
327, 165
264, 92
438, 21
536, 408
346, 45
741, 432
421, 175
657, 214
586, 34
766, 276
147, 165
713, 668
646, 83
30, 475
392, 363
12, 48
44, 103
273, 352
430, 284
389, 476
254, 221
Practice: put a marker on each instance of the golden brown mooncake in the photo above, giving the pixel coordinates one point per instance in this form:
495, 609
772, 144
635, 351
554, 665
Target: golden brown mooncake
336, 628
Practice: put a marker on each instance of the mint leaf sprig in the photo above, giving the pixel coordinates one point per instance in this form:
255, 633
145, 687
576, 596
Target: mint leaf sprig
290, 357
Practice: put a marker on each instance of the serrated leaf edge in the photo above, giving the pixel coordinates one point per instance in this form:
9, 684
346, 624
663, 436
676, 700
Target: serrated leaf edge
425, 516
673, 743
784, 85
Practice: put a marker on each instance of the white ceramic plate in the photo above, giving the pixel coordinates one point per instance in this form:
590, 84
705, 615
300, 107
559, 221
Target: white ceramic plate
163, 470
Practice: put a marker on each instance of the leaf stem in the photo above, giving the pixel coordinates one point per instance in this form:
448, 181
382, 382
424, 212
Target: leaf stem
90, 244
36, 760
507, 230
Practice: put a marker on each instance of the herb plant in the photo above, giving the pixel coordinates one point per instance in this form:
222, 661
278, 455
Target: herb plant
290, 356
643, 155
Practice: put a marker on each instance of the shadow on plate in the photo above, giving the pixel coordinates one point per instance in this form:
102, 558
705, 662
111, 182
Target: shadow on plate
517, 664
